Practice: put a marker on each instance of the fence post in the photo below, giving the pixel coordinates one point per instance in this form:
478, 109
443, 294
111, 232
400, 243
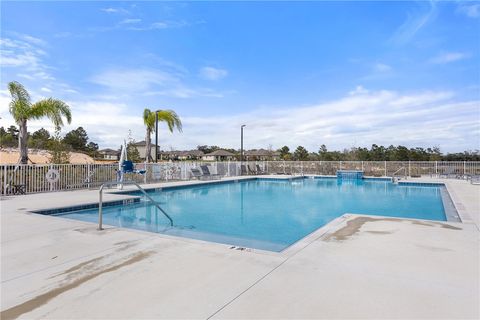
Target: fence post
436, 168
409, 172
362, 166
385, 168
88, 175
146, 169
464, 168
5, 179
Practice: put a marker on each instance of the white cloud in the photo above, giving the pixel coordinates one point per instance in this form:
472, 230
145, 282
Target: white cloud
449, 57
211, 73
415, 21
25, 53
358, 90
31, 39
151, 82
133, 79
381, 67
130, 21
45, 89
185, 92
159, 25
115, 10
382, 117
63, 34
137, 25
378, 71
469, 9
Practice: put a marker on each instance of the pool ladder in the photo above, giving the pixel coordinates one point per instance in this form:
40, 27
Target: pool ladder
398, 176
111, 183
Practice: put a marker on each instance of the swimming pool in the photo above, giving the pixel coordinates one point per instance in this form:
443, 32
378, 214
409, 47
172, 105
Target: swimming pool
268, 214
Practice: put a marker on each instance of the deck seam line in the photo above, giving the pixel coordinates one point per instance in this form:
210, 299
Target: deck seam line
264, 276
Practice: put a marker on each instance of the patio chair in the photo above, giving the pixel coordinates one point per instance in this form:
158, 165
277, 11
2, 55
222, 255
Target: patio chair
206, 173
127, 167
475, 179
196, 173
259, 170
251, 170
449, 172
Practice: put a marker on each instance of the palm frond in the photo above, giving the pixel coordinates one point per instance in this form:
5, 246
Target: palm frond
149, 119
171, 118
20, 104
54, 109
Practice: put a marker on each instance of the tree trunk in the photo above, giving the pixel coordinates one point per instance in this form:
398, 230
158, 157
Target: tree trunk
148, 146
22, 141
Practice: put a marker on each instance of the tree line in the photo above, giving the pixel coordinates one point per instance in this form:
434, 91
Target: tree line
74, 140
374, 153
78, 140
377, 153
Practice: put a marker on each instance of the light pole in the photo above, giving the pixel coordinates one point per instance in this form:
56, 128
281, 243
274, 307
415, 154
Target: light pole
156, 137
241, 143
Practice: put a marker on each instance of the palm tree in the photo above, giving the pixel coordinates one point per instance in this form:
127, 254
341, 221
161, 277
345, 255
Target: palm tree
23, 110
168, 116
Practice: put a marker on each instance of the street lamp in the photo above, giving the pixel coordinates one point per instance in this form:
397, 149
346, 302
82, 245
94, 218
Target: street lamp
156, 136
241, 142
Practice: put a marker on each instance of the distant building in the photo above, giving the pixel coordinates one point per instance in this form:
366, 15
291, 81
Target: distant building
261, 155
109, 154
219, 155
182, 155
142, 146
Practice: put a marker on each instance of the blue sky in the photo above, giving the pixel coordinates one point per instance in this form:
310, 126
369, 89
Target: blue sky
337, 73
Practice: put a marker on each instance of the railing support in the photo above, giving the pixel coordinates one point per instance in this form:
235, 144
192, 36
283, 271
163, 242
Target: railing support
100, 203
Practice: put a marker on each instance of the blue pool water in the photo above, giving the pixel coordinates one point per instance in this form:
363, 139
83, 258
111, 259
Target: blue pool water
269, 214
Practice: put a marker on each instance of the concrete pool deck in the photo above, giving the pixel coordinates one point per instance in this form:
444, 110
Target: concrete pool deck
356, 267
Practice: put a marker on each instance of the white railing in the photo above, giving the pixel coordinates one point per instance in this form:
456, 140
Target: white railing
59, 177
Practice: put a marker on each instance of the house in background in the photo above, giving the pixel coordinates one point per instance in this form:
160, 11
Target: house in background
182, 155
262, 155
109, 154
219, 155
141, 147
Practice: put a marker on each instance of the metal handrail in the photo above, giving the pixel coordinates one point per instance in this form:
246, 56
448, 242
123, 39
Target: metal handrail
402, 168
110, 183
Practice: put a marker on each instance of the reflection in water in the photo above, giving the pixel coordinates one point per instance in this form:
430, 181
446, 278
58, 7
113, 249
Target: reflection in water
242, 188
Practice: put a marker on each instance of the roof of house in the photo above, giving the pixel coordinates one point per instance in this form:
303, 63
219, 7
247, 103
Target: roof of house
262, 152
222, 153
197, 153
108, 151
185, 153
